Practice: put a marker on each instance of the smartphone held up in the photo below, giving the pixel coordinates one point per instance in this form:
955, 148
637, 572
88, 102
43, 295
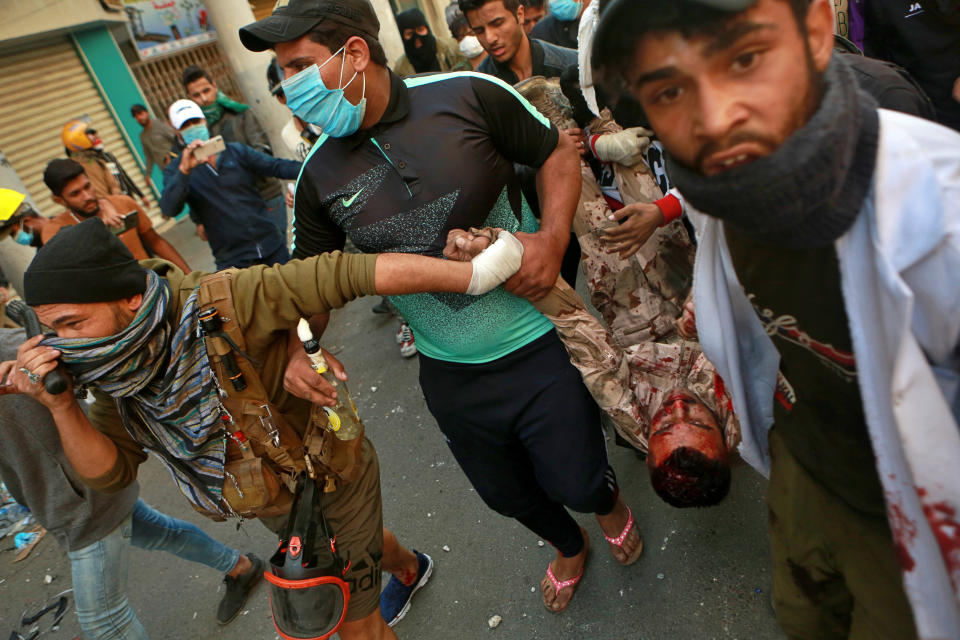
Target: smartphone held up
210, 148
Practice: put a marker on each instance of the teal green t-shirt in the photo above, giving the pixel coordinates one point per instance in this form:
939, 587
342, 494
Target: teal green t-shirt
459, 328
442, 156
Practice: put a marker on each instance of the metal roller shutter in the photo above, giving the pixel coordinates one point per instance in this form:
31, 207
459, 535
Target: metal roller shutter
44, 87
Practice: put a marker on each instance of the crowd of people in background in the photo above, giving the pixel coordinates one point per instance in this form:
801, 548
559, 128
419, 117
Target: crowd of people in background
759, 199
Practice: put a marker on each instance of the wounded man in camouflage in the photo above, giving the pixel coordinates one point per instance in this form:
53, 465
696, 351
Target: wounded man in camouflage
664, 397
637, 359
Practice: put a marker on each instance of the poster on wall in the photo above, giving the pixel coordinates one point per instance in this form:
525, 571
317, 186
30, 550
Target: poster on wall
160, 27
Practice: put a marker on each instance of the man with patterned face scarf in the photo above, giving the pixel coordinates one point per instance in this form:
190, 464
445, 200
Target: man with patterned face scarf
132, 332
424, 52
97, 529
825, 294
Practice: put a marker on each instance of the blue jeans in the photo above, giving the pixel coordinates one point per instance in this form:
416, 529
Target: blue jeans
100, 569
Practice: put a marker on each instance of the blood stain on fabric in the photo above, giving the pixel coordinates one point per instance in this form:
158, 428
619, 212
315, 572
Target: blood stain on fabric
943, 523
904, 531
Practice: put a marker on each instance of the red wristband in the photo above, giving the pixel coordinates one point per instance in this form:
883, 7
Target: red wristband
670, 207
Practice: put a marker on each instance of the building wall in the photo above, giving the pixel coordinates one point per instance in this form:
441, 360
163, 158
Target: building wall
29, 18
104, 62
31, 116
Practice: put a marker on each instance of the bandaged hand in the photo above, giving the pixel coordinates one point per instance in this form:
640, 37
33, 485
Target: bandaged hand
495, 264
624, 147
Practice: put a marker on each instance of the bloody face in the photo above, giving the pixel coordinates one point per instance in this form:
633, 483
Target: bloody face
723, 99
683, 420
500, 32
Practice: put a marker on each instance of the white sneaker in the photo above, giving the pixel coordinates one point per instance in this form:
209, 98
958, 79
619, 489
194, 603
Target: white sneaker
408, 347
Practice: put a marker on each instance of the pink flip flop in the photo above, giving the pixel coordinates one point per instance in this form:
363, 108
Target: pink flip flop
558, 586
572, 583
619, 540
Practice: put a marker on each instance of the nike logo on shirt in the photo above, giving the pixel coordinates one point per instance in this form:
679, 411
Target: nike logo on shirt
346, 202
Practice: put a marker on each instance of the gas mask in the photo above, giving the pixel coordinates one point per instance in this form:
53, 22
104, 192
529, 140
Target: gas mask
308, 596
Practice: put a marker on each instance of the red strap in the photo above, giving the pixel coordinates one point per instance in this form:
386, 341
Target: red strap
592, 141
670, 207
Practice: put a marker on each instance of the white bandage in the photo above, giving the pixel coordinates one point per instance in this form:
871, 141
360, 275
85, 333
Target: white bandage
495, 264
624, 147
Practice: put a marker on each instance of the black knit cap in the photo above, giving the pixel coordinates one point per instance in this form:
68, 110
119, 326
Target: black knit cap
83, 263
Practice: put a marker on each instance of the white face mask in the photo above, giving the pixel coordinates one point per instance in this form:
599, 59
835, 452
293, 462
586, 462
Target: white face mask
471, 47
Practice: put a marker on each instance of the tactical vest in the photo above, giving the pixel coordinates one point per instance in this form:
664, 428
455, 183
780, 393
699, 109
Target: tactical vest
260, 474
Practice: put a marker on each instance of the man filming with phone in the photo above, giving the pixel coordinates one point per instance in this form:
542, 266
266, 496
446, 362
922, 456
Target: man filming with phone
70, 186
218, 181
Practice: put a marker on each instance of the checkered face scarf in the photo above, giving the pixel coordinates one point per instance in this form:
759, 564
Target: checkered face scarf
164, 387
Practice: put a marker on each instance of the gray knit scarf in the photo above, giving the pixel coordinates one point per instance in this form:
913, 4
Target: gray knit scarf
808, 192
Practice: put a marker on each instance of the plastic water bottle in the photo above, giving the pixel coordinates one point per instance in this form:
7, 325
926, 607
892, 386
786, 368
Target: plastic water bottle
13, 517
12, 513
22, 540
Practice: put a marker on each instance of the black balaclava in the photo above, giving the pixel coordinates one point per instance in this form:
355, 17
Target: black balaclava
424, 57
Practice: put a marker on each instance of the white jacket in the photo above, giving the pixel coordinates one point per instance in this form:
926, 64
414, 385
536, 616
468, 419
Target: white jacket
900, 276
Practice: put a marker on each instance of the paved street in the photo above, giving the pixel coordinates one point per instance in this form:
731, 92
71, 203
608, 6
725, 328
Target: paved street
704, 573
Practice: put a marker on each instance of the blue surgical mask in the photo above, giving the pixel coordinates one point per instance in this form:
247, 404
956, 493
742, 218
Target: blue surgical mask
565, 10
328, 109
196, 132
23, 237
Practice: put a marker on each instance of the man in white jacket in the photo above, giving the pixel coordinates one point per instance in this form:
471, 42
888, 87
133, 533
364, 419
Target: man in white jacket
827, 295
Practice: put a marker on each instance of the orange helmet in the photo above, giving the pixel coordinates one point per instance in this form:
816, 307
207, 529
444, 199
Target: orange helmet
74, 136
